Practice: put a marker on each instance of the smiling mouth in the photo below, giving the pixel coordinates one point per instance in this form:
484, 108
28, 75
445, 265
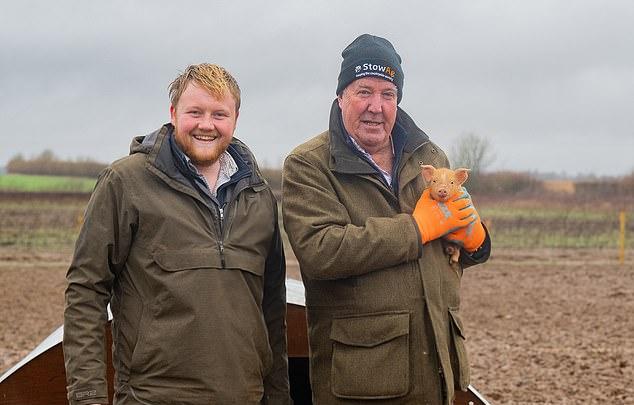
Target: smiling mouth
372, 123
205, 138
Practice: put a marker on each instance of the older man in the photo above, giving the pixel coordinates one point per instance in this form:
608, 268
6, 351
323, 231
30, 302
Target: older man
181, 238
382, 298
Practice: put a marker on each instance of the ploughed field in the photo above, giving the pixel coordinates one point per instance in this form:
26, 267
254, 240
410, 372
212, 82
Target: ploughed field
548, 319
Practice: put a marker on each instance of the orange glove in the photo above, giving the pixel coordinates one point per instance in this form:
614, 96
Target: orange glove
472, 236
436, 219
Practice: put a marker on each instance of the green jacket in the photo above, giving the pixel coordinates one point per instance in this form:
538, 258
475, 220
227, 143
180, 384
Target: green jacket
198, 300
383, 310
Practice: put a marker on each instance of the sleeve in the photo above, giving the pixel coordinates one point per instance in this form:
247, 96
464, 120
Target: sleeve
326, 242
100, 252
276, 383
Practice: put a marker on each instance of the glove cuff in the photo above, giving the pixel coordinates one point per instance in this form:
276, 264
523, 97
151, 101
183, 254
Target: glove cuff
472, 243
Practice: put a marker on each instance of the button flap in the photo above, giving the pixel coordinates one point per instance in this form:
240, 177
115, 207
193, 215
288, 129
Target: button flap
369, 330
177, 260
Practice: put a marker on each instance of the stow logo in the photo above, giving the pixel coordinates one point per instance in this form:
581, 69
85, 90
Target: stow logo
374, 69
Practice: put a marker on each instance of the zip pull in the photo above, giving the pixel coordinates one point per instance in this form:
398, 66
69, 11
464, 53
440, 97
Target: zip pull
221, 211
222, 255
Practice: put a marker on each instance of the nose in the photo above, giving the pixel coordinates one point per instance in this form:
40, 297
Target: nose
375, 104
206, 123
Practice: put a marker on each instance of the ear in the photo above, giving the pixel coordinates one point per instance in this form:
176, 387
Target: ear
173, 115
462, 175
428, 172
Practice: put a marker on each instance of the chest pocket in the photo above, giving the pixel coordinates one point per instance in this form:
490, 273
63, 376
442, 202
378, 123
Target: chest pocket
209, 259
248, 230
179, 260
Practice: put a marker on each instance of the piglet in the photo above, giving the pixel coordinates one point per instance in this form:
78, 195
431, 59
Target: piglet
444, 184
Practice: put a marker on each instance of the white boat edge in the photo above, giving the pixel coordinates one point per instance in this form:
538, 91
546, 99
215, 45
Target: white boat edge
294, 295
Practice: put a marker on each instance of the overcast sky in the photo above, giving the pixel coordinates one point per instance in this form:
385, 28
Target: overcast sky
549, 83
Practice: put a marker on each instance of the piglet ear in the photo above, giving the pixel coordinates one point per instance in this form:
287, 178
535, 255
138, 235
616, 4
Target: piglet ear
462, 175
428, 172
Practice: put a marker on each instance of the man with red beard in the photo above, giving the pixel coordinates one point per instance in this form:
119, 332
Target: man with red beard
181, 239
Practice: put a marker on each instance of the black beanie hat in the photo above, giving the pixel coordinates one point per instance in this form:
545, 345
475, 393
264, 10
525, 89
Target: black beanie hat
370, 56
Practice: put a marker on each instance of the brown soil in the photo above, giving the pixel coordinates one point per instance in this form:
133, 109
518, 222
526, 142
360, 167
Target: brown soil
544, 326
552, 326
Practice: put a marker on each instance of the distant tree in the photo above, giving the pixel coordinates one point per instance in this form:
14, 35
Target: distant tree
15, 164
46, 156
627, 184
273, 177
507, 183
17, 158
473, 152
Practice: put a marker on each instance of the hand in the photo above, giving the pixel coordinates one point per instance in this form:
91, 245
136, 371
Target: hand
472, 236
436, 219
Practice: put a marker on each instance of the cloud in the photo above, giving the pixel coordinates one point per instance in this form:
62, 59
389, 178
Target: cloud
544, 81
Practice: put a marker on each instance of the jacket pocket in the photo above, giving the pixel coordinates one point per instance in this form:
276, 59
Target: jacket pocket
198, 259
178, 260
459, 360
245, 261
139, 356
370, 358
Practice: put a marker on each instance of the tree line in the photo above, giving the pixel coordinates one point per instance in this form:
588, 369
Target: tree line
46, 163
470, 151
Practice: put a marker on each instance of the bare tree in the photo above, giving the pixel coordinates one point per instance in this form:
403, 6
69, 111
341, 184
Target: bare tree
46, 156
473, 152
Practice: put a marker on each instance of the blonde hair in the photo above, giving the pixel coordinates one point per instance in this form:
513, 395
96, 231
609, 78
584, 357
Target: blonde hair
213, 78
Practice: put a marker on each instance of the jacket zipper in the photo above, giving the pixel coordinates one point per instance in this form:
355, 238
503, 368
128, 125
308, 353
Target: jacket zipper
221, 216
221, 244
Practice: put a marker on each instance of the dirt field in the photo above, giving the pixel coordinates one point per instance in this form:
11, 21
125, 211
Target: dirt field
544, 326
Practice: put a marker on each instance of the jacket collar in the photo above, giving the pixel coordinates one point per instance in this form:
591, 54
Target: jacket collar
343, 157
161, 157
